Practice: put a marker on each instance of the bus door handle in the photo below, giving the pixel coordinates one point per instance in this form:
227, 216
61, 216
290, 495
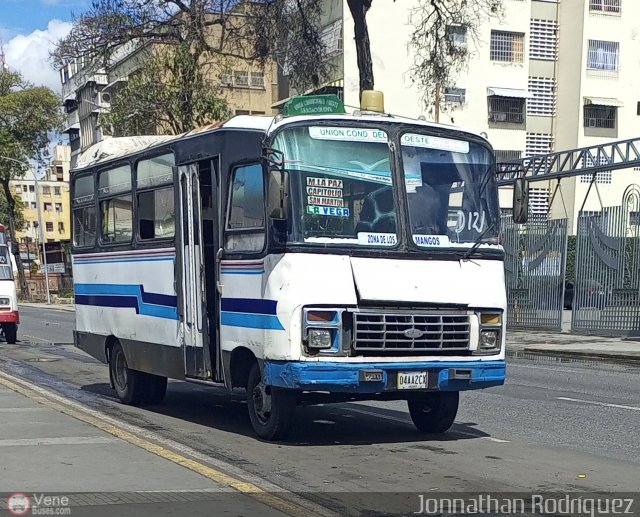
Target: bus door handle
218, 264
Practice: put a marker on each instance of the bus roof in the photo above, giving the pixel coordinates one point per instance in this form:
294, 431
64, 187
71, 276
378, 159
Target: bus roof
120, 147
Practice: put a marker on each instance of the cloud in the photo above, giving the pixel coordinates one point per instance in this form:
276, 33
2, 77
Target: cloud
29, 54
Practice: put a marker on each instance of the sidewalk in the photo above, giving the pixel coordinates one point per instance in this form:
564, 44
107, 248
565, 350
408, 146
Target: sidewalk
573, 346
45, 451
70, 307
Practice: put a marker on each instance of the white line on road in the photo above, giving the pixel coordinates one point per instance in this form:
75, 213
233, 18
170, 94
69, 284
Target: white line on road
65, 440
596, 403
408, 422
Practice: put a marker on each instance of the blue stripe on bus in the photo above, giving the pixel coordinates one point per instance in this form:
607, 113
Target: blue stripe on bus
249, 305
127, 295
252, 321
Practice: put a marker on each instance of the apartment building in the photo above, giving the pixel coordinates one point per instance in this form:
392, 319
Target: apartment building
548, 75
87, 92
53, 191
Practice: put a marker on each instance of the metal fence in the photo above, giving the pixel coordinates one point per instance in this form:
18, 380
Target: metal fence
607, 287
535, 261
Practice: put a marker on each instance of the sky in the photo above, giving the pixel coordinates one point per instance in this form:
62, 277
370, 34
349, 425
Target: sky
29, 30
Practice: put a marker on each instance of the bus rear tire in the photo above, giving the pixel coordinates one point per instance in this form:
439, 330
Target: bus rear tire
434, 412
270, 409
132, 386
10, 332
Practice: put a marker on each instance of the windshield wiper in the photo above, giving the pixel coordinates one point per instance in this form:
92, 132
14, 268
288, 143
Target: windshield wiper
478, 241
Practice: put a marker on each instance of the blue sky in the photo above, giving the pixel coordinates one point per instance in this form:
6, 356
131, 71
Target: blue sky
29, 29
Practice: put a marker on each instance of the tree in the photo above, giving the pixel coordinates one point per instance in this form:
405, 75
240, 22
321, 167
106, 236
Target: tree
28, 116
195, 35
18, 215
439, 54
156, 96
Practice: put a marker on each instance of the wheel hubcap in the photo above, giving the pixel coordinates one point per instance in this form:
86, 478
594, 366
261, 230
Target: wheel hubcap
120, 374
262, 402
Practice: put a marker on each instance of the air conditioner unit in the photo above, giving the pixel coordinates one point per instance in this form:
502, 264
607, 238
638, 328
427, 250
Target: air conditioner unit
105, 98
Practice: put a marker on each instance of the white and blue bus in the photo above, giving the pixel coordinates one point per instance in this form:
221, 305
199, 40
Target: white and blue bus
316, 256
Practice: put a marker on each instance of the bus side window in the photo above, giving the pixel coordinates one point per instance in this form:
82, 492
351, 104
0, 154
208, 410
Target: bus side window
156, 211
245, 228
84, 212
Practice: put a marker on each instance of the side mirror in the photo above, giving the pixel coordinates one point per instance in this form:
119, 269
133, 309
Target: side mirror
521, 201
278, 207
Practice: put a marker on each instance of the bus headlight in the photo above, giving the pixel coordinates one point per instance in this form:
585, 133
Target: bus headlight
489, 339
490, 336
319, 339
322, 330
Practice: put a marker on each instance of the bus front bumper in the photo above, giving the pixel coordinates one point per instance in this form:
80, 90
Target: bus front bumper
342, 377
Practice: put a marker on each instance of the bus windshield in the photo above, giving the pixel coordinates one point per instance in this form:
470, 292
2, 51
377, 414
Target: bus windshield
341, 185
451, 191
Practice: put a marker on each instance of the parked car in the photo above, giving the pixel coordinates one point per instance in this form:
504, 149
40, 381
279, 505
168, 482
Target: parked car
592, 295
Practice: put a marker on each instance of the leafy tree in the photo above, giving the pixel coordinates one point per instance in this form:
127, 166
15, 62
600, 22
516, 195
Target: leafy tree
157, 96
18, 215
28, 115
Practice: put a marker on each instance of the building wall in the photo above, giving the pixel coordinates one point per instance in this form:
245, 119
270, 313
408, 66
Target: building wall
54, 200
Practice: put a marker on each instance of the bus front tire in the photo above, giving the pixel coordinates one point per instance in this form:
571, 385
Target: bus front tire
434, 412
270, 409
10, 332
132, 386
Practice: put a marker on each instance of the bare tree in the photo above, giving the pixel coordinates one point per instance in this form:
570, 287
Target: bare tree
440, 54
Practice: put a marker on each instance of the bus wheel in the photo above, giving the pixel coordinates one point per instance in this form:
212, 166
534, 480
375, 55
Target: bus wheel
270, 409
434, 412
129, 384
10, 332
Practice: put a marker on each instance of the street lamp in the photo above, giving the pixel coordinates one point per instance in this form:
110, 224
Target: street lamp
44, 254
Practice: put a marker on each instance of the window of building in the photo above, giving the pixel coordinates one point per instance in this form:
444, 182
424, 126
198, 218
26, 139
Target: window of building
245, 216
602, 177
56, 191
509, 110
507, 155
243, 112
538, 201
59, 172
455, 95
25, 204
543, 40
32, 188
60, 227
331, 37
59, 207
543, 100
257, 80
46, 190
48, 207
600, 116
34, 205
18, 189
507, 46
607, 6
603, 55
457, 35
49, 226
241, 78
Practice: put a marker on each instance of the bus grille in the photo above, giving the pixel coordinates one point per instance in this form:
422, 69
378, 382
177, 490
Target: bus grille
402, 332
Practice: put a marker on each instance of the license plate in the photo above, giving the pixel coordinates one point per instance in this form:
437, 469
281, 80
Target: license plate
412, 380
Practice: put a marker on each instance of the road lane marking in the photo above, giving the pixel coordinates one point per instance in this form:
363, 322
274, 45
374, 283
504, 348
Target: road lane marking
408, 422
133, 435
63, 440
596, 403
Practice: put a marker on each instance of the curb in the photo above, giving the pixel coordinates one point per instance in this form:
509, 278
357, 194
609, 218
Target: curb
53, 307
575, 356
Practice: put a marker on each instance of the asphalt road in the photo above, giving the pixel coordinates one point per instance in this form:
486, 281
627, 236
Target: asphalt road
553, 426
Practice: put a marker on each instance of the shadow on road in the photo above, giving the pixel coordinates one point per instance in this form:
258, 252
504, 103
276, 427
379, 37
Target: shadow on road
322, 425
